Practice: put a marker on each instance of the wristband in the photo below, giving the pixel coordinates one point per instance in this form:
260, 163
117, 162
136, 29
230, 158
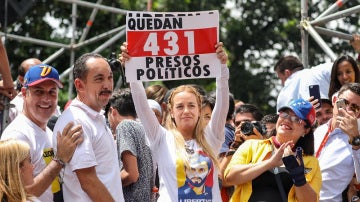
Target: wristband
296, 170
58, 160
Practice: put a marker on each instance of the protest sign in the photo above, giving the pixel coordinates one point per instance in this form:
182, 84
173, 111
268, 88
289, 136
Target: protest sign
170, 46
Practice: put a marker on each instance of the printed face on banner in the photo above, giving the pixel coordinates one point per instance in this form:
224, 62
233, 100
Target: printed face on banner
170, 46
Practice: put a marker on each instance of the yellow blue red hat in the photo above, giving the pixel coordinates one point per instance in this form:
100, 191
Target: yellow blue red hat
40, 73
303, 109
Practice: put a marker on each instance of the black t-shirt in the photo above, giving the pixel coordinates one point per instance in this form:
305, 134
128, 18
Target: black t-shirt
265, 189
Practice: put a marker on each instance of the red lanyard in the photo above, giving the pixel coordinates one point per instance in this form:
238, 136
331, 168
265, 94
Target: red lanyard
323, 142
276, 143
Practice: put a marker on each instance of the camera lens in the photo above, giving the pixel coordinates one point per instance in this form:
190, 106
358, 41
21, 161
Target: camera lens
247, 128
115, 65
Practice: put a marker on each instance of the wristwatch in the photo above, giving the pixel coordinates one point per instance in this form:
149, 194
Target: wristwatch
58, 160
355, 198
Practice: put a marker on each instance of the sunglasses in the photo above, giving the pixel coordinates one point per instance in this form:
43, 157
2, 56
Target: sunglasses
353, 107
293, 119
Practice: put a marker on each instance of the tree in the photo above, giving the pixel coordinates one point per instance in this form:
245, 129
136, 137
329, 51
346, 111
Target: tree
262, 32
255, 33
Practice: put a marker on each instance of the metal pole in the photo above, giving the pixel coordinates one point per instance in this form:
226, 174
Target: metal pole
110, 41
72, 53
5, 20
89, 22
36, 41
54, 56
97, 50
319, 40
87, 42
332, 8
83, 36
336, 15
93, 5
304, 34
149, 5
99, 37
333, 33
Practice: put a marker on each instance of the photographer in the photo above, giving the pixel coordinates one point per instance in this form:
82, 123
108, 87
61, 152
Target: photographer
245, 131
281, 168
244, 113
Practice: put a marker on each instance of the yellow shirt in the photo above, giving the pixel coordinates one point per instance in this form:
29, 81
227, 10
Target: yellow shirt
254, 151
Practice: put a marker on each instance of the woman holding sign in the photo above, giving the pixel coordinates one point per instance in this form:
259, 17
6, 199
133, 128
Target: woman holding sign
186, 150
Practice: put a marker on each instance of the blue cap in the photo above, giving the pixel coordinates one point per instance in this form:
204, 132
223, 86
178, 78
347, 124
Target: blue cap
303, 109
39, 73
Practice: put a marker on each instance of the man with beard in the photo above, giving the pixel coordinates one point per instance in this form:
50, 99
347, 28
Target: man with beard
196, 172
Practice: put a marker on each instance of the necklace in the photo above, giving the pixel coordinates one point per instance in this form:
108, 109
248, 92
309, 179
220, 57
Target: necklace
189, 146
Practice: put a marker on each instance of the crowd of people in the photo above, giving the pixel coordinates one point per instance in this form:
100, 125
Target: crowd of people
184, 143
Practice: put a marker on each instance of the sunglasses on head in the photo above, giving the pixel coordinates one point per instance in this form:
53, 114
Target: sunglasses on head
294, 119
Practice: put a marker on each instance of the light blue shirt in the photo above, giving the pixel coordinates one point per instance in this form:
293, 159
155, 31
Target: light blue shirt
297, 85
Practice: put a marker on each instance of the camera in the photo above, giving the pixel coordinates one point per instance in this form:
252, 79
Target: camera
247, 127
115, 65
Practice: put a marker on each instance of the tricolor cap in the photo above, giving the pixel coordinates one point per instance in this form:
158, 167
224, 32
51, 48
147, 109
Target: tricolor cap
303, 109
39, 73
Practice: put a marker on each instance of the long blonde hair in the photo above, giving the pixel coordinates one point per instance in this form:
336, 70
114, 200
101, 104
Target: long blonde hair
198, 135
12, 154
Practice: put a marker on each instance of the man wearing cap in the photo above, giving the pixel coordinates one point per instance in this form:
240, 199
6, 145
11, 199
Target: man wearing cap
93, 174
40, 92
18, 101
335, 147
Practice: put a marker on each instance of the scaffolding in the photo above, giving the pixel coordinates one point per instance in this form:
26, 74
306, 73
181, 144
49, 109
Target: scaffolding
115, 34
307, 26
313, 27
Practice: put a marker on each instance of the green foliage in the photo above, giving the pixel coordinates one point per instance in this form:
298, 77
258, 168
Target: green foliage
255, 33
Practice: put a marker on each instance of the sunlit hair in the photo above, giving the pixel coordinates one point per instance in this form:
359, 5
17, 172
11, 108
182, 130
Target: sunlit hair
198, 135
353, 87
12, 155
156, 92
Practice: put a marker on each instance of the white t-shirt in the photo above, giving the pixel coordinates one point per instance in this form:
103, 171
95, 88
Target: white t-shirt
174, 180
18, 103
338, 162
40, 142
98, 149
